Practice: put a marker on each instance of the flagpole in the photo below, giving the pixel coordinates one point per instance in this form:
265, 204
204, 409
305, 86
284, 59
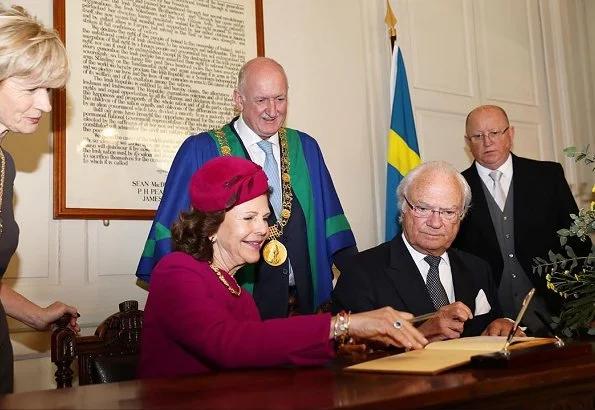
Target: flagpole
402, 146
391, 21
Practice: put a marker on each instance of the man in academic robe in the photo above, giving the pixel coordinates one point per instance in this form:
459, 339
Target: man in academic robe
308, 230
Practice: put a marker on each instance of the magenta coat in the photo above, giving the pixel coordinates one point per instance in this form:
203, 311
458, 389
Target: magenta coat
193, 324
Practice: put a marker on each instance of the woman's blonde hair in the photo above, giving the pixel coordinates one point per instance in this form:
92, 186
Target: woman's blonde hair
30, 50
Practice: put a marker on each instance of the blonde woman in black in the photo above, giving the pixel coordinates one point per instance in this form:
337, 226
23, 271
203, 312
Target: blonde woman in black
32, 61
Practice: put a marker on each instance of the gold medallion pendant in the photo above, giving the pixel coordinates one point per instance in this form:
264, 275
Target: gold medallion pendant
274, 253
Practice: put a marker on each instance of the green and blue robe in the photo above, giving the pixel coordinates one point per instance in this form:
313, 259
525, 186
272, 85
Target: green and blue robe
326, 227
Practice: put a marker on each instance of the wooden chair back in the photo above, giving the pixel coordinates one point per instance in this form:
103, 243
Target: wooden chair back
110, 355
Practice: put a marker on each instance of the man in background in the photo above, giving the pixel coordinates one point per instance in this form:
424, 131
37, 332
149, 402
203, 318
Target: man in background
518, 206
308, 230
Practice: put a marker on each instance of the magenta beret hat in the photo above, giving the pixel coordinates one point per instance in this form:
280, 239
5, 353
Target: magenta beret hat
224, 182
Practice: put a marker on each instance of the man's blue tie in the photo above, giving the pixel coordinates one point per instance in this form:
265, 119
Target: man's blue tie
272, 171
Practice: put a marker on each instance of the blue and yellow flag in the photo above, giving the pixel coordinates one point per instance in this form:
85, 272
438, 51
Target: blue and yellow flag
403, 152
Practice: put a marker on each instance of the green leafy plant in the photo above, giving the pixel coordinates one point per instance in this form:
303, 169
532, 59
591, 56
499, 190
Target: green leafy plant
584, 155
570, 276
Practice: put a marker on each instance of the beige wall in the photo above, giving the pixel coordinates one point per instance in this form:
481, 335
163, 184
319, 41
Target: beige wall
322, 48
337, 59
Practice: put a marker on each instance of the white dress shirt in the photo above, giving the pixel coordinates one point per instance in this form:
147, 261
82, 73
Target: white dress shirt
443, 268
250, 140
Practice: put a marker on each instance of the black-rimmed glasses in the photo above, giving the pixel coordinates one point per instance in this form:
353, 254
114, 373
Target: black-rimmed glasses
449, 215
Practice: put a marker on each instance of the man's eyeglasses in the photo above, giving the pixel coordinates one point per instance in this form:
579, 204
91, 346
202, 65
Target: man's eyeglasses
423, 212
492, 135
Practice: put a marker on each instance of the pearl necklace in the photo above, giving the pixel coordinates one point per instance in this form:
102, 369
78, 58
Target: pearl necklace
225, 282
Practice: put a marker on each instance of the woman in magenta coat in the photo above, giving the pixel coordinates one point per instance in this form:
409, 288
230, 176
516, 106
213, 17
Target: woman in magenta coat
198, 319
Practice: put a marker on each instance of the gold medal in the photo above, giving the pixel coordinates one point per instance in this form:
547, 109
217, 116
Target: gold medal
274, 253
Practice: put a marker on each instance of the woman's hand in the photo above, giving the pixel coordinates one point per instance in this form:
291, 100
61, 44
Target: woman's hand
54, 312
387, 326
22, 309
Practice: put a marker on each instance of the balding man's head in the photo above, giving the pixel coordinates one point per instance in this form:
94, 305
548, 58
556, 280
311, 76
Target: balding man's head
433, 199
489, 135
261, 95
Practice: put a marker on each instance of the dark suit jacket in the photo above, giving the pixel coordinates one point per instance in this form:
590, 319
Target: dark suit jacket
387, 276
542, 205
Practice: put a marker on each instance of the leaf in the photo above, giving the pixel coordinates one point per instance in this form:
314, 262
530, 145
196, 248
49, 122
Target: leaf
552, 256
570, 252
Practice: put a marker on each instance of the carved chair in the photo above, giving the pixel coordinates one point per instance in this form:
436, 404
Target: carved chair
108, 356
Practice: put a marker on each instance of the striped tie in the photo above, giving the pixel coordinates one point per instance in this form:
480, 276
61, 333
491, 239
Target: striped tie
437, 292
272, 171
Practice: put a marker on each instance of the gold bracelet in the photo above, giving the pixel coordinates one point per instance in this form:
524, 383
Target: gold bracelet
336, 326
341, 328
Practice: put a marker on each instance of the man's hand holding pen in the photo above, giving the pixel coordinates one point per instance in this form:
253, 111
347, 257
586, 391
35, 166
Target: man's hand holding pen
447, 323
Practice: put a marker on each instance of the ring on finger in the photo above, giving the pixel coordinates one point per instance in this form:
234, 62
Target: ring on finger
397, 324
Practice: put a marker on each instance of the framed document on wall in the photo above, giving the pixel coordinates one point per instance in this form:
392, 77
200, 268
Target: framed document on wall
145, 75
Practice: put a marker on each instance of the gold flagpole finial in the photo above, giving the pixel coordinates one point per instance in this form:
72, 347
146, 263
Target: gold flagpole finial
391, 21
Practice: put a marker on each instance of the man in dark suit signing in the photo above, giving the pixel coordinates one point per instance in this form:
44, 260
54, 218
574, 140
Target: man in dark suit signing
418, 272
518, 206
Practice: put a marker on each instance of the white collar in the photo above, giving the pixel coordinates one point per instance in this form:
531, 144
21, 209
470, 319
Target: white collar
417, 256
249, 137
505, 168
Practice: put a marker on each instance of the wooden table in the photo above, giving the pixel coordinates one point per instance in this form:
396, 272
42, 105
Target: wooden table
567, 384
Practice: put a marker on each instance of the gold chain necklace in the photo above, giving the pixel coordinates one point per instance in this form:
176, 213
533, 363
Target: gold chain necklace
225, 282
274, 252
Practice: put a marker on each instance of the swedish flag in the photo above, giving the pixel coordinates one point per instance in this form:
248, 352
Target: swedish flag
403, 151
